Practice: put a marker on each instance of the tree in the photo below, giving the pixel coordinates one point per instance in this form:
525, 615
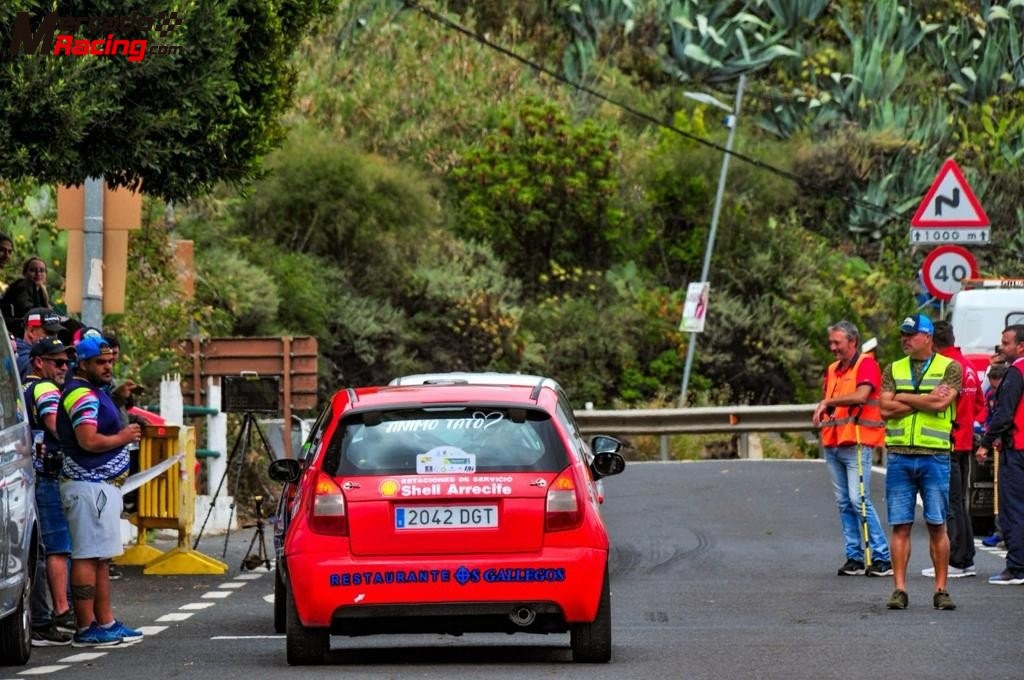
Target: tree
540, 189
201, 106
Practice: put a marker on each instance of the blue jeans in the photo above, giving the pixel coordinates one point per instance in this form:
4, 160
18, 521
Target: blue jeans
906, 476
56, 541
842, 464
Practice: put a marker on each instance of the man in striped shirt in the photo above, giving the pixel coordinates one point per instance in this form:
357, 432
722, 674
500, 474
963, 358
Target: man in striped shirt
95, 465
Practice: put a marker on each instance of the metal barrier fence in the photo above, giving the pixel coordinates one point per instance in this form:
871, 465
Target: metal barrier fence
742, 420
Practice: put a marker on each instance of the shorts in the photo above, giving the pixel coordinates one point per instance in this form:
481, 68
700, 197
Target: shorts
93, 510
906, 476
52, 523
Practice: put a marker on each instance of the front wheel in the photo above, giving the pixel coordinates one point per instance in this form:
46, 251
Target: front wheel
303, 646
592, 642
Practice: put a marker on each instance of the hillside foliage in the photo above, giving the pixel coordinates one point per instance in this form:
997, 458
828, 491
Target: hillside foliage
439, 205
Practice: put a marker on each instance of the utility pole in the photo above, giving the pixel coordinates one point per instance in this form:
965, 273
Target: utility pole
731, 120
92, 265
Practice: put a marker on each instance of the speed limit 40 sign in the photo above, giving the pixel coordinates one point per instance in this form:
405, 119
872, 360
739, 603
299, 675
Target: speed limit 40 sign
945, 268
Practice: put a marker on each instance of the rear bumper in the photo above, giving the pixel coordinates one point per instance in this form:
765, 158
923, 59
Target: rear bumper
446, 594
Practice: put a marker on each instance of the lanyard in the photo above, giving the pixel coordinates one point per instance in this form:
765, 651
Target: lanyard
924, 369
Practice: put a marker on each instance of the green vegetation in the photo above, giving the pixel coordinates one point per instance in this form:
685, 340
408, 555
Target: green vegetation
438, 205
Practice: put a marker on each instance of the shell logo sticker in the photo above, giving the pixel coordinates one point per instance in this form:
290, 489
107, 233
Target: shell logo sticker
388, 487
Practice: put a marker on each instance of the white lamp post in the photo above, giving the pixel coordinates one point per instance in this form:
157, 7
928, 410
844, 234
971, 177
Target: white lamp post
730, 122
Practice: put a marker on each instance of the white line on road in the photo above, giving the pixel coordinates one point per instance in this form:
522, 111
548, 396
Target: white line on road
43, 670
247, 637
197, 605
232, 585
216, 594
151, 630
175, 616
82, 656
249, 577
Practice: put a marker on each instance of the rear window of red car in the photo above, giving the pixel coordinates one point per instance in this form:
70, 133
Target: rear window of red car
446, 439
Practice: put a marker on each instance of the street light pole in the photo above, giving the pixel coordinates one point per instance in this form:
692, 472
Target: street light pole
705, 270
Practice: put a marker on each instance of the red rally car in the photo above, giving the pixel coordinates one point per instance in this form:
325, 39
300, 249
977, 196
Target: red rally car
446, 503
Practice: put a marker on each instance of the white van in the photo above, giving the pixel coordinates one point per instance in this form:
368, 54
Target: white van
979, 313
19, 533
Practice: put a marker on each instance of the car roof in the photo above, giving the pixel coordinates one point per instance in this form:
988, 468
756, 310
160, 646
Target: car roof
471, 378
536, 391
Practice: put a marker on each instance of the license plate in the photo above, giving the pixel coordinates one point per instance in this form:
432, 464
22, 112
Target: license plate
446, 516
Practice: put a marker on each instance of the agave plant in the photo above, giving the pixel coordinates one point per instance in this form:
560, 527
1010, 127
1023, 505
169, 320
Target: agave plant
888, 33
790, 14
982, 57
588, 21
715, 43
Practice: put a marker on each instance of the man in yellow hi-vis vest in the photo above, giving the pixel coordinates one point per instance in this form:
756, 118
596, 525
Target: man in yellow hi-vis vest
918, 402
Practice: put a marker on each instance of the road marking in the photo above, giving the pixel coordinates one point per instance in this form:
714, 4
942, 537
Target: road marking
175, 616
43, 670
249, 576
247, 637
197, 605
269, 598
232, 585
82, 656
216, 594
151, 630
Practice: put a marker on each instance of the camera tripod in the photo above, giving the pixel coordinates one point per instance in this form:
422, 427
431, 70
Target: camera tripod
255, 559
242, 444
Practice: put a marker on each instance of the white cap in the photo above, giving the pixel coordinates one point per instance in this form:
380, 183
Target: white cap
869, 345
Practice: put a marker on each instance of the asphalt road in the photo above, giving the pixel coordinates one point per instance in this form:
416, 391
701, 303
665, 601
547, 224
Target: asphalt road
721, 569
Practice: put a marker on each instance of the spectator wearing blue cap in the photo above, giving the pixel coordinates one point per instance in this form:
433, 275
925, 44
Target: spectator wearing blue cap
95, 447
918, 403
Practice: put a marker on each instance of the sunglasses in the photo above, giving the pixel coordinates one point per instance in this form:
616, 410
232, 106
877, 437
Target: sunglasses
59, 363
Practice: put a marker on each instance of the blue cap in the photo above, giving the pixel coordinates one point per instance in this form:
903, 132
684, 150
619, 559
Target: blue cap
91, 347
918, 323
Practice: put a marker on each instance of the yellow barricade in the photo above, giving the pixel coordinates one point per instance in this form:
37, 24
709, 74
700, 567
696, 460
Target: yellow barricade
168, 502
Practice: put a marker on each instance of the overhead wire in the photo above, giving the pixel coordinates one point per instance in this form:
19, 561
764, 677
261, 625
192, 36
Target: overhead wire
643, 115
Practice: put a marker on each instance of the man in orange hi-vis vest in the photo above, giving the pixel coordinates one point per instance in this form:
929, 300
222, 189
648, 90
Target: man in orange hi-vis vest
851, 426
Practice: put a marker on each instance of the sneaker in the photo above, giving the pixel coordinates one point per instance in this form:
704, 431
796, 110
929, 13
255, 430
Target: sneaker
94, 636
66, 621
1006, 578
898, 600
50, 636
951, 571
992, 541
942, 600
124, 632
879, 568
114, 572
851, 568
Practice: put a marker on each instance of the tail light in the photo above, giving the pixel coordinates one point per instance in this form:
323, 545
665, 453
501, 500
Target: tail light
563, 509
327, 514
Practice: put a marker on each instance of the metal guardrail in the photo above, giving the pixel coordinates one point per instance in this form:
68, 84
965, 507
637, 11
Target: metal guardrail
704, 420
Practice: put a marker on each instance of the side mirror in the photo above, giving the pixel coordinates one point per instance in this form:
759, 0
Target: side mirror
606, 464
287, 470
602, 443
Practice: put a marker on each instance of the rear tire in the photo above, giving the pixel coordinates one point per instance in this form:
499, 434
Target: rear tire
279, 603
303, 646
16, 628
592, 642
